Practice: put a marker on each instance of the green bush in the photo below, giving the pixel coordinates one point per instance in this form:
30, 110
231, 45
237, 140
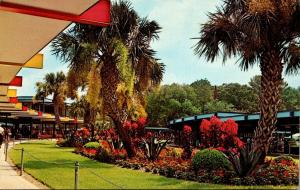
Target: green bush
210, 159
92, 145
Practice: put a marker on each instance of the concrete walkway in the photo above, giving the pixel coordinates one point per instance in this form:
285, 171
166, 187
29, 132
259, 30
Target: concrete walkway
10, 178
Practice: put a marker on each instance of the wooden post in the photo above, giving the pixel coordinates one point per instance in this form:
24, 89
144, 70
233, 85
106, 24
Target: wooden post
22, 162
76, 174
6, 149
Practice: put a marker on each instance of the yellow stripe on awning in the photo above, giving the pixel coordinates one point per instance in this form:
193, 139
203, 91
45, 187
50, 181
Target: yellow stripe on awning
65, 119
18, 105
11, 93
36, 62
32, 112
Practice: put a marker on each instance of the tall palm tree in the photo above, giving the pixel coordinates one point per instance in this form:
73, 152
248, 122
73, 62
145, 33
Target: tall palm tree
263, 32
53, 84
123, 58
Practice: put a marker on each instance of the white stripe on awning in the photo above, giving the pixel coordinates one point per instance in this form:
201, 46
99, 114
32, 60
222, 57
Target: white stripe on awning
25, 35
9, 72
3, 90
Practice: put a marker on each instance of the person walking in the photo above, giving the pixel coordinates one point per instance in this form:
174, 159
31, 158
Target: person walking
1, 139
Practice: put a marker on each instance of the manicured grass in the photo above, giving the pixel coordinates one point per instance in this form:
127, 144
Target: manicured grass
61, 176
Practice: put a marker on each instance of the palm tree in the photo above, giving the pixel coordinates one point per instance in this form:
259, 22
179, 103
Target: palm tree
122, 57
263, 32
53, 84
82, 108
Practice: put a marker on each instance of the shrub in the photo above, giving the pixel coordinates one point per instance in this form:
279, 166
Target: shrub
210, 159
250, 181
286, 160
218, 179
282, 170
92, 145
236, 181
217, 133
104, 156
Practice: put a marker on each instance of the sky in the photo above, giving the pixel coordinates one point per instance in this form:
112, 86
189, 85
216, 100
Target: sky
181, 21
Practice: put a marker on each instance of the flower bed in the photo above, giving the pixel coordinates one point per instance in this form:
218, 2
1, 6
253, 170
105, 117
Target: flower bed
222, 159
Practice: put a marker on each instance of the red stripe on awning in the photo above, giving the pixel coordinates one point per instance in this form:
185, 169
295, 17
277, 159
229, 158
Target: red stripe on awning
40, 113
13, 100
17, 81
24, 108
99, 14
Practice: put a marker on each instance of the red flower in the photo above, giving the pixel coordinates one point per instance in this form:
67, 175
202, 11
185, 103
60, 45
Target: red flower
111, 131
148, 135
142, 121
284, 162
205, 126
238, 142
134, 125
85, 132
221, 149
187, 129
230, 127
127, 125
215, 121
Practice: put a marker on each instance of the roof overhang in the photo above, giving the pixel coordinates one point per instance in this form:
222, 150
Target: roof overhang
27, 26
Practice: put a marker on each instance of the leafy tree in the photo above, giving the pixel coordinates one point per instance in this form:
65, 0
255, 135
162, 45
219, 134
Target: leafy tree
124, 61
169, 102
242, 97
263, 32
218, 106
291, 98
54, 84
204, 92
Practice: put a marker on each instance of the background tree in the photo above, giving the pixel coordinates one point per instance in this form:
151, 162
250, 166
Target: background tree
169, 102
125, 62
291, 98
204, 92
259, 32
219, 106
54, 84
242, 97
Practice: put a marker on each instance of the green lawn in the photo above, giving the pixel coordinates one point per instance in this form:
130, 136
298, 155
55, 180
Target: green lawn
62, 176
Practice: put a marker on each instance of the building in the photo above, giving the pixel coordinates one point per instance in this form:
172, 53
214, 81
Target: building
287, 125
37, 119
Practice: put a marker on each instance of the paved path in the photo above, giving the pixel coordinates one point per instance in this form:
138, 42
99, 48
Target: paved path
10, 178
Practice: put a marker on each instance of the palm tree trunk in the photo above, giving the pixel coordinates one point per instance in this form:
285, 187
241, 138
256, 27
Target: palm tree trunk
110, 80
57, 119
89, 119
271, 83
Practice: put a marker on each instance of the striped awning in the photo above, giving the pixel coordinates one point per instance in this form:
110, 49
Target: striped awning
27, 26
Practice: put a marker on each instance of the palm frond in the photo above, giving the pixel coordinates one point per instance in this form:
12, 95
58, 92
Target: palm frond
219, 35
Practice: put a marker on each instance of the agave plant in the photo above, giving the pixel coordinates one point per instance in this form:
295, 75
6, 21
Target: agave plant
245, 162
153, 148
